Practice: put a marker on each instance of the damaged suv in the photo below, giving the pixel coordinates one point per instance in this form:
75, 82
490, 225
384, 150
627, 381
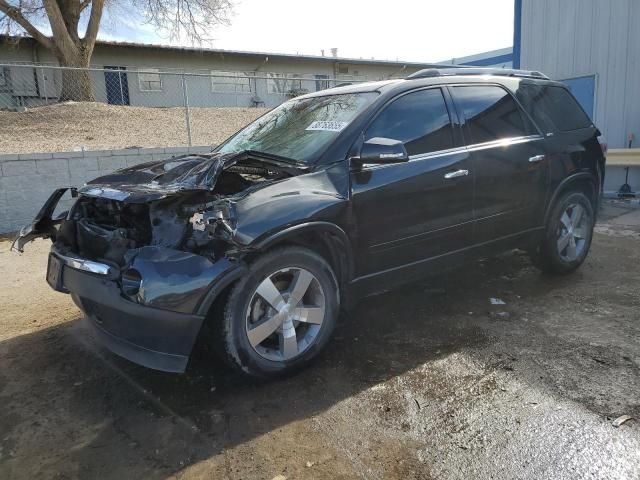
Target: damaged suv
335, 195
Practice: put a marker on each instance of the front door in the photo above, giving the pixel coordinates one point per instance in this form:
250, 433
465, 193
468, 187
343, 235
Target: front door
508, 159
117, 85
407, 213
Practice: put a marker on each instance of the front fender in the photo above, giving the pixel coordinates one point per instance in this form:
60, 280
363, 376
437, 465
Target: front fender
312, 203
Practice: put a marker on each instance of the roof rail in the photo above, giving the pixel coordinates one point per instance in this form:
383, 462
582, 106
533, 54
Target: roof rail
503, 72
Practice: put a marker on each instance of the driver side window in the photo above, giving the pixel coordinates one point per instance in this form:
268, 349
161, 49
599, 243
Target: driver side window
419, 119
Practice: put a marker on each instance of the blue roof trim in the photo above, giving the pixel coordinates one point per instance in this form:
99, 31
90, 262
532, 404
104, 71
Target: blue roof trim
517, 32
487, 62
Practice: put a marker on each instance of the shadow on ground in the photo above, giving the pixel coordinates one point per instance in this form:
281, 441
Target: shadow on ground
73, 410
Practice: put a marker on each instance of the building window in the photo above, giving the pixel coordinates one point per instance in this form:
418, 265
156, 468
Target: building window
322, 82
150, 80
230, 82
284, 83
277, 83
296, 82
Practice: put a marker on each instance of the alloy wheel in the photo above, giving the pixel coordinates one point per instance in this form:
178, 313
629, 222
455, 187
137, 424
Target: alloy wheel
572, 232
285, 314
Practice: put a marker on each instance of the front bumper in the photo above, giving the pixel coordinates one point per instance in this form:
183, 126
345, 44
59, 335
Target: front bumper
153, 334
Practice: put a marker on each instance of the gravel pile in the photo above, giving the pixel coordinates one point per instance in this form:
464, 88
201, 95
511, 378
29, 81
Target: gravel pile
68, 126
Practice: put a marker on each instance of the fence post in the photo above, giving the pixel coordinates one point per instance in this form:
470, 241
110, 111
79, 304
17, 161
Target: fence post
185, 101
44, 86
121, 89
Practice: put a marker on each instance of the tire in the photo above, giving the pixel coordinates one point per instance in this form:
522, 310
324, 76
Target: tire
568, 235
248, 316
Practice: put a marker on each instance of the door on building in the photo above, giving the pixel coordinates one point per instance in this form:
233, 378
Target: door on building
584, 89
322, 82
116, 84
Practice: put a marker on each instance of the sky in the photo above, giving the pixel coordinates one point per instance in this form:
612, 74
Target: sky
410, 30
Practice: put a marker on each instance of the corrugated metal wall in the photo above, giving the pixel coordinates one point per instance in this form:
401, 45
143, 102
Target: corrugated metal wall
572, 38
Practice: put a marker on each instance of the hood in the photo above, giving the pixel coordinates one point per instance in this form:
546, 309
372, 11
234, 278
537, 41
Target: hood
159, 179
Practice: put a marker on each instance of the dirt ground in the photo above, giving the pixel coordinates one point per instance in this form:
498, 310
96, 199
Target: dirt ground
431, 381
98, 126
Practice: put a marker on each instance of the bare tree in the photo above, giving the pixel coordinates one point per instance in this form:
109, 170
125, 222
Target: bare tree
180, 18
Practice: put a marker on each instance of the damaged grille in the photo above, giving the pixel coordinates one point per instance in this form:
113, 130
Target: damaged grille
106, 229
147, 206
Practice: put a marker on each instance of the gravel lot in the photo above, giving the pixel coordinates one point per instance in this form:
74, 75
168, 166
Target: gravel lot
427, 382
96, 126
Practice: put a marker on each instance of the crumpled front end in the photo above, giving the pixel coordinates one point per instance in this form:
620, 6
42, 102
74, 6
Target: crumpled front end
149, 311
146, 261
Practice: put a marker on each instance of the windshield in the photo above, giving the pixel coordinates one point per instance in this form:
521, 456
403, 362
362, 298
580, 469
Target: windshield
300, 129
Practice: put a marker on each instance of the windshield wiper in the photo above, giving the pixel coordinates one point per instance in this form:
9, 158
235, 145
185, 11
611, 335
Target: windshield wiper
277, 158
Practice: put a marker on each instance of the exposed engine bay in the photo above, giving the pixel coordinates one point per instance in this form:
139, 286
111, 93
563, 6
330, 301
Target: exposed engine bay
182, 207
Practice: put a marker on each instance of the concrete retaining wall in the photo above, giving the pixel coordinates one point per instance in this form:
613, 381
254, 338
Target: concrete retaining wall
27, 180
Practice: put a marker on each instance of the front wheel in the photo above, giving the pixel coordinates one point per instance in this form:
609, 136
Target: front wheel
568, 235
281, 314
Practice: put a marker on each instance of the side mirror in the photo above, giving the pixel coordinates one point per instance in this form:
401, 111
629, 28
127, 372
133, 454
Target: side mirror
381, 150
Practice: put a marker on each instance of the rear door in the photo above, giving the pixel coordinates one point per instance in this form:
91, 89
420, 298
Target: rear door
508, 160
412, 211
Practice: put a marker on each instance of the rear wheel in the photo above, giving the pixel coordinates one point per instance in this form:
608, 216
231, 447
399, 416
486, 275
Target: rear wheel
281, 314
568, 235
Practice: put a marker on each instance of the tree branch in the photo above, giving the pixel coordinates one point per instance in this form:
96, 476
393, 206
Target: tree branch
56, 21
62, 40
94, 24
15, 14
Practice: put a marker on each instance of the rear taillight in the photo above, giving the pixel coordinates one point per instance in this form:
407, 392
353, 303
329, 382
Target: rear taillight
603, 145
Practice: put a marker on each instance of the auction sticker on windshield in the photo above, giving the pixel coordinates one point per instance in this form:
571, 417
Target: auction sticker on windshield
327, 126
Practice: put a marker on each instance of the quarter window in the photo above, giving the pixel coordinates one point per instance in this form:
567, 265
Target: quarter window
554, 109
149, 80
419, 119
490, 114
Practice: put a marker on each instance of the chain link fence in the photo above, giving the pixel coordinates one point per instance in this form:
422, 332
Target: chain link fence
50, 108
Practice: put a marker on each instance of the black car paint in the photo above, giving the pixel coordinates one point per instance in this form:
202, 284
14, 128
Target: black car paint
43, 224
159, 179
382, 225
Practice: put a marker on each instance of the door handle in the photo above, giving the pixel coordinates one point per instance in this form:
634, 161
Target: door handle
536, 159
456, 174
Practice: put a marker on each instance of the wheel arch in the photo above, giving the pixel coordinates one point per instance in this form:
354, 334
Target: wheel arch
325, 238
581, 182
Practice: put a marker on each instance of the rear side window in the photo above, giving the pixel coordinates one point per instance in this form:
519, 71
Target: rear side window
419, 119
554, 109
491, 113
